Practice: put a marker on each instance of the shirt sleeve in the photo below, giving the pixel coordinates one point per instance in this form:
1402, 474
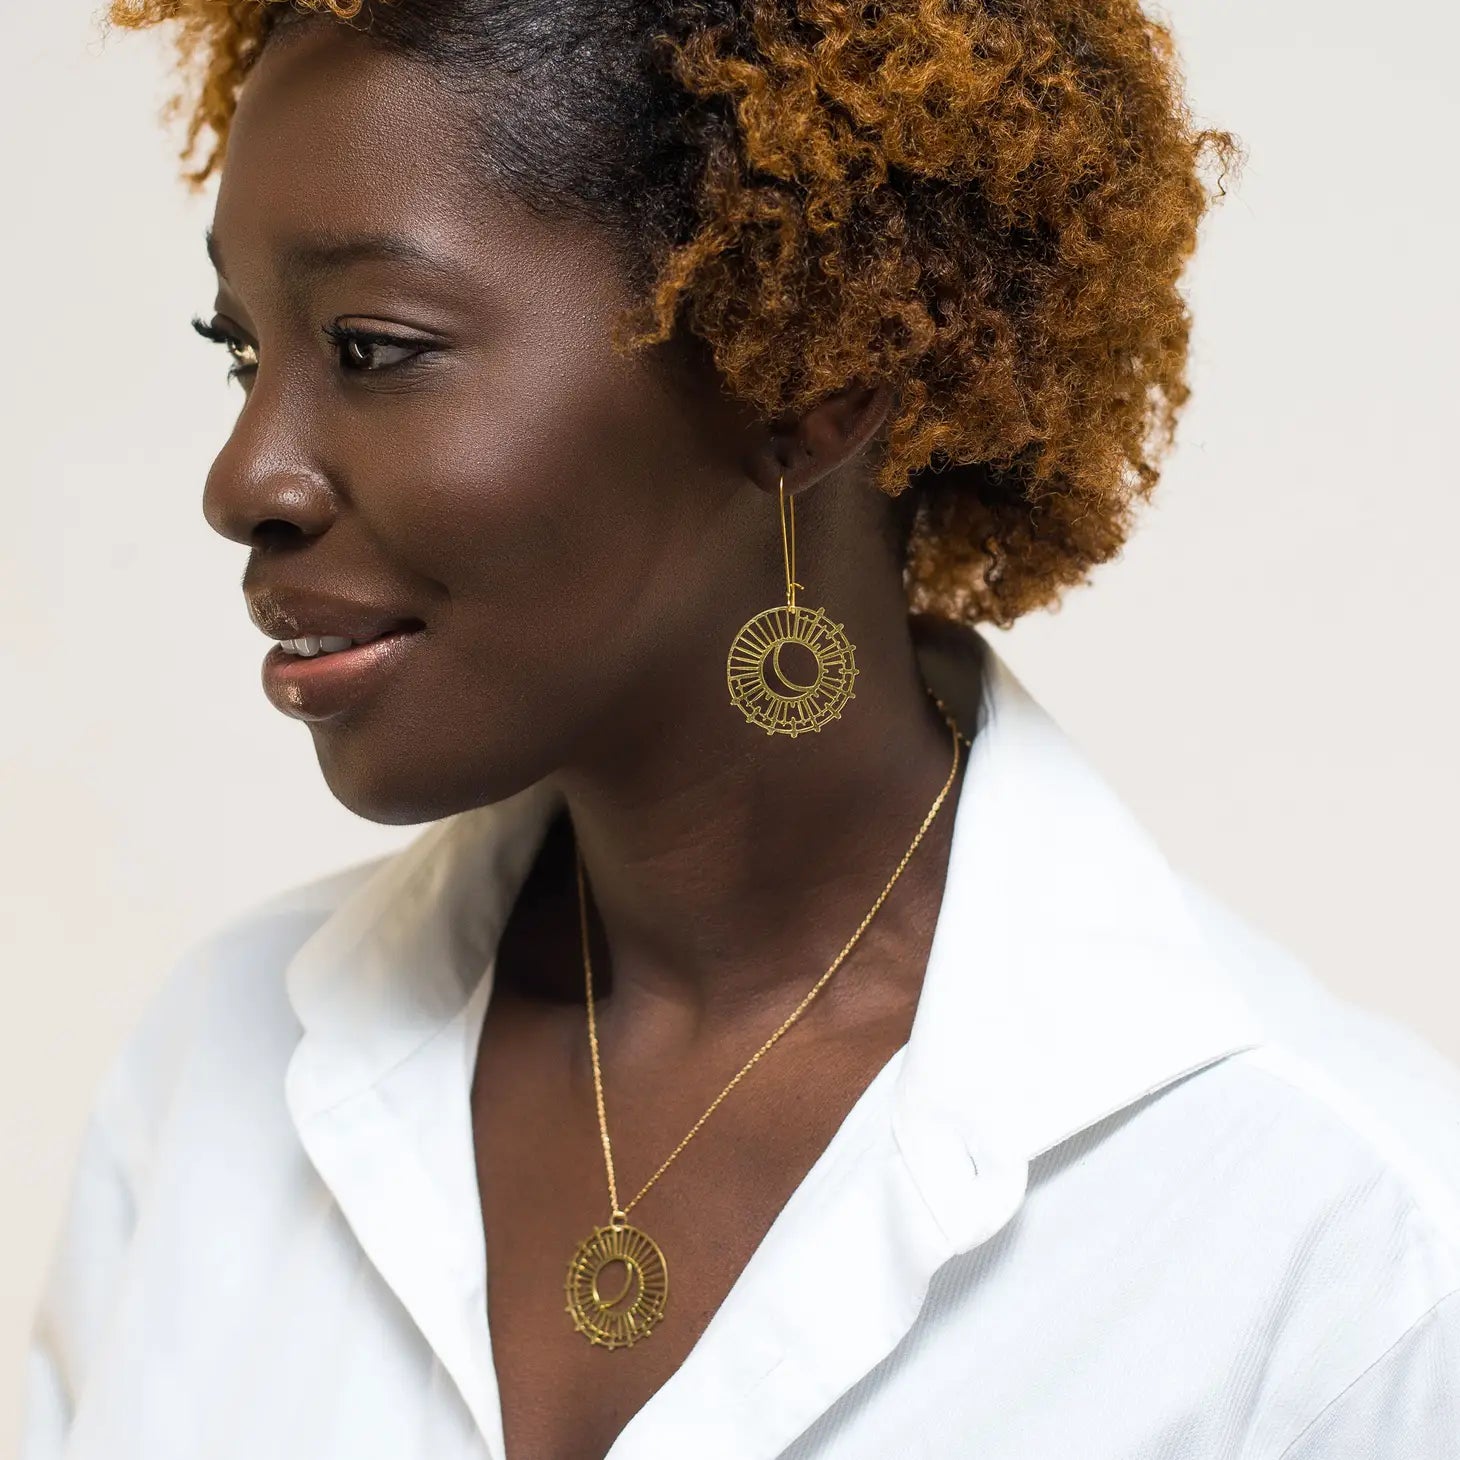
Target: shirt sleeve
1406, 1404
86, 1264
91, 1250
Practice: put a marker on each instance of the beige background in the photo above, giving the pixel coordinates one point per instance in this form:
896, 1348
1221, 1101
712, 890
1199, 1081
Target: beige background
1267, 675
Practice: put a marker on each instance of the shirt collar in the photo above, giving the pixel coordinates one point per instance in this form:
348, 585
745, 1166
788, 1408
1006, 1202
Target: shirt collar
1068, 976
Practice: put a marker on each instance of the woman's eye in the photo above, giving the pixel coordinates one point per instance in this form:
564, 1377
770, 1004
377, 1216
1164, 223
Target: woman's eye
245, 356
364, 352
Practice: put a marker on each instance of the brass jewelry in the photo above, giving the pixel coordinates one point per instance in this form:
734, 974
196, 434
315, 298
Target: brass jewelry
617, 1319
786, 707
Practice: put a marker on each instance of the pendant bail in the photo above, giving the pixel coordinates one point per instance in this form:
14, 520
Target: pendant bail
620, 1218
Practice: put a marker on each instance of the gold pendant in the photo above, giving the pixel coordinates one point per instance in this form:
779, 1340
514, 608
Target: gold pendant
617, 1319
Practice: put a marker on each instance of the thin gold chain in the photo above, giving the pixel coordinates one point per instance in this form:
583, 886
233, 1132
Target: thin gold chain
619, 1213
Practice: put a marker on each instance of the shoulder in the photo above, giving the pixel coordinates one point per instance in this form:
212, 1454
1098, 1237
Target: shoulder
1338, 1144
201, 1065
1382, 1085
1287, 1216
219, 1017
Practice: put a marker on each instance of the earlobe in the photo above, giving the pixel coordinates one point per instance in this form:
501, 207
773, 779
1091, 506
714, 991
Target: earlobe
804, 449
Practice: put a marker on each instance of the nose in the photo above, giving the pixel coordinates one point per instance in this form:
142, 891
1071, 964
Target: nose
265, 481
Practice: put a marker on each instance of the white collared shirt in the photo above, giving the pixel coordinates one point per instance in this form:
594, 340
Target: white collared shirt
1137, 1187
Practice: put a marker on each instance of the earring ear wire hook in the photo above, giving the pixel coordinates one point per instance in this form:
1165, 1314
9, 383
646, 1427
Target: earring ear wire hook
788, 546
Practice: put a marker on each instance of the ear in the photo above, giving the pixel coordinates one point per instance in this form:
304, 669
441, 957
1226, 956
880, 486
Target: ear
811, 446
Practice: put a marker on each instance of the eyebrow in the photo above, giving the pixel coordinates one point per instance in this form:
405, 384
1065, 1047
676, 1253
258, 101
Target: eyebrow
313, 255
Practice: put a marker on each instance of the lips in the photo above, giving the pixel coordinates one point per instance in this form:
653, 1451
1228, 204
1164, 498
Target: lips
320, 687
302, 614
369, 642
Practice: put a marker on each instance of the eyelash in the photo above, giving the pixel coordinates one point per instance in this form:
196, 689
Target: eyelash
339, 335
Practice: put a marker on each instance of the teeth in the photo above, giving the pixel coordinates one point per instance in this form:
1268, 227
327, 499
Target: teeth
314, 644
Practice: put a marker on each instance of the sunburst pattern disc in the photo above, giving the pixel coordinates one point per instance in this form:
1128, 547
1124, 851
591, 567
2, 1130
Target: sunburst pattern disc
762, 690
618, 1308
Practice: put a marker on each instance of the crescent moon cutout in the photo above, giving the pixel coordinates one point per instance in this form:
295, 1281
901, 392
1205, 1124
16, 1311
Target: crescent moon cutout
783, 676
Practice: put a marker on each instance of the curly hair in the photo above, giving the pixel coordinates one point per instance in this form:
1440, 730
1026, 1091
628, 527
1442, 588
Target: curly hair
987, 204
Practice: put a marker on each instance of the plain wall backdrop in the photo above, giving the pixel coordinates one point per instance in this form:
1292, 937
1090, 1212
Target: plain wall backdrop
1267, 674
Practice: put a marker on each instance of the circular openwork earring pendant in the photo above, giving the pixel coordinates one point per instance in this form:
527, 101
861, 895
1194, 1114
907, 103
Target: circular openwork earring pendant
765, 691
619, 1307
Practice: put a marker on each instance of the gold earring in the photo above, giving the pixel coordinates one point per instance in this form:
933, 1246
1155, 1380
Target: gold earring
774, 701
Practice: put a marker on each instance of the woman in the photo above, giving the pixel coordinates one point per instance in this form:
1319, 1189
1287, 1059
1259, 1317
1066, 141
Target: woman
781, 1043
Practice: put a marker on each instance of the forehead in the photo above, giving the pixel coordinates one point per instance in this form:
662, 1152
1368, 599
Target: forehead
342, 153
331, 130
345, 156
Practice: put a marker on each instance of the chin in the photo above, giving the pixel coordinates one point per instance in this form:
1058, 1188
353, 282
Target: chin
408, 784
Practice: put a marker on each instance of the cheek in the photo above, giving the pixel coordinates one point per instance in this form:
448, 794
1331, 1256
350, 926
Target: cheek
540, 494
532, 495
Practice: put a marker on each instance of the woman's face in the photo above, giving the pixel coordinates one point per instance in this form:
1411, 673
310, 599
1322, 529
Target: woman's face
562, 529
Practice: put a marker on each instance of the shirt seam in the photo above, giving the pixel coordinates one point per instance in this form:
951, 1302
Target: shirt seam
1418, 1177
1400, 1342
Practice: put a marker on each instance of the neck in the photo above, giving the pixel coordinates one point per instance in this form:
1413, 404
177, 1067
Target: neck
727, 868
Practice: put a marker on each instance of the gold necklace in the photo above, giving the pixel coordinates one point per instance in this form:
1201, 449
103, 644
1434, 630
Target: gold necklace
619, 1319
